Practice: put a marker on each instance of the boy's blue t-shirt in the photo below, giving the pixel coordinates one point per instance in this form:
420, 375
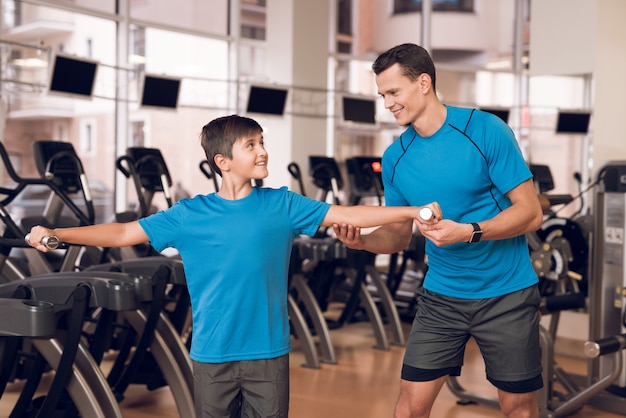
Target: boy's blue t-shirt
236, 256
467, 166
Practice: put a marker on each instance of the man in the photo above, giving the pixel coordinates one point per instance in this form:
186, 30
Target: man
480, 282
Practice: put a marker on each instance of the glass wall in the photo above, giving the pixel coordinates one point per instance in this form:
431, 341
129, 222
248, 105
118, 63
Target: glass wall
193, 41
184, 40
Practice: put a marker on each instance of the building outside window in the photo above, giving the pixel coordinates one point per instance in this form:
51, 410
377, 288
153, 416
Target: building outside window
411, 6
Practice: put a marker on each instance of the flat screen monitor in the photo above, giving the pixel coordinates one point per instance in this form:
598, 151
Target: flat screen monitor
267, 100
502, 113
359, 110
159, 91
573, 122
72, 76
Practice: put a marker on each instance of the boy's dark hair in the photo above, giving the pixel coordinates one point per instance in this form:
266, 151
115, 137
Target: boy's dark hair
219, 135
413, 59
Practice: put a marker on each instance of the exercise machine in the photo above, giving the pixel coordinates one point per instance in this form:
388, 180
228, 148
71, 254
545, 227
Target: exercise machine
78, 374
607, 295
365, 178
146, 343
148, 171
327, 264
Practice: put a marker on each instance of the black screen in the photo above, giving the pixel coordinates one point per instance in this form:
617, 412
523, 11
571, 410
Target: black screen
73, 76
359, 110
160, 92
266, 100
501, 113
573, 122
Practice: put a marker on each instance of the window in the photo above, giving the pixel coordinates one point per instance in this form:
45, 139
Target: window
344, 17
252, 32
137, 133
87, 137
137, 56
411, 6
12, 14
253, 19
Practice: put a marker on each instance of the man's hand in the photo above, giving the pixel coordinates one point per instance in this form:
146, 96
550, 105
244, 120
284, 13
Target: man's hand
444, 232
350, 235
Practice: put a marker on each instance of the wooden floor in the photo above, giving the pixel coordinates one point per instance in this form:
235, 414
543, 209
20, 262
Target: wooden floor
363, 384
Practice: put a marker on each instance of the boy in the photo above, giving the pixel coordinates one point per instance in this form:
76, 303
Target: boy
235, 245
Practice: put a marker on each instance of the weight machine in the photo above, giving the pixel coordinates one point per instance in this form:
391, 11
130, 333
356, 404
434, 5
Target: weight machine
607, 295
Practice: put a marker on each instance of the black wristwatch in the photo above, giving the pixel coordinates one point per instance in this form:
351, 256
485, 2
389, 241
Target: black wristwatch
476, 235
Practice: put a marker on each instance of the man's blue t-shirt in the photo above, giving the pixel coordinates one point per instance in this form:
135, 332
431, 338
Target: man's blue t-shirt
467, 166
236, 257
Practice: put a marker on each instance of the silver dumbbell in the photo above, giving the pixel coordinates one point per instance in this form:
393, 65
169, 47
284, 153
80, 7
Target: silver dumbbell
51, 242
426, 214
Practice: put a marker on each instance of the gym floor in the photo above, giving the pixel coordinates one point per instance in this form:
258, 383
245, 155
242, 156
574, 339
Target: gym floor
364, 383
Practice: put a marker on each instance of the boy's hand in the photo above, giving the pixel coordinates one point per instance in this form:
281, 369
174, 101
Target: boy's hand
429, 214
350, 235
39, 237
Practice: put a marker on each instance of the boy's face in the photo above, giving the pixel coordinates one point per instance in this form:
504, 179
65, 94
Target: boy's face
250, 157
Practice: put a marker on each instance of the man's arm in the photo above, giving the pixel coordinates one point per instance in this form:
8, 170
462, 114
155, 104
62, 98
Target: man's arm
101, 235
387, 239
395, 231
524, 215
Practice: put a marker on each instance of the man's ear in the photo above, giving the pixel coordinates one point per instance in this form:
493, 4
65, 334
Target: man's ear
425, 82
221, 162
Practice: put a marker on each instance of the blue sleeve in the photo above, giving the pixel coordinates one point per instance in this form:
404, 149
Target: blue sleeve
163, 227
306, 214
507, 167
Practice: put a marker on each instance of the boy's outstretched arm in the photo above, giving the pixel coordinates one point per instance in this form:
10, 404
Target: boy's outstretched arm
101, 235
393, 235
365, 216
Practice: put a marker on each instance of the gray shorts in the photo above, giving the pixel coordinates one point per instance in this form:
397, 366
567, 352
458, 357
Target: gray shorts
247, 389
506, 329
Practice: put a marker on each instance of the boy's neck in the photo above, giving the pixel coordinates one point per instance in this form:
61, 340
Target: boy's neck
230, 191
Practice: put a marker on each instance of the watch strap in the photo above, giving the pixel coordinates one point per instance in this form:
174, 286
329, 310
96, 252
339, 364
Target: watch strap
476, 234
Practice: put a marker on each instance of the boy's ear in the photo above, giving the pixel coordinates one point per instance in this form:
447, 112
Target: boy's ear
222, 162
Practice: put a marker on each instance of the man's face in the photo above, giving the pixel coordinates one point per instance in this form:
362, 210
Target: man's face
404, 97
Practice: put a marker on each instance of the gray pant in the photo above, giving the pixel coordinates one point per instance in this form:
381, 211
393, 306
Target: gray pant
506, 329
242, 389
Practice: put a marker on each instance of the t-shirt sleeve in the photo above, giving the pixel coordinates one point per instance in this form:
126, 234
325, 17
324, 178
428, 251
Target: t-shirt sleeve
306, 214
507, 167
168, 223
